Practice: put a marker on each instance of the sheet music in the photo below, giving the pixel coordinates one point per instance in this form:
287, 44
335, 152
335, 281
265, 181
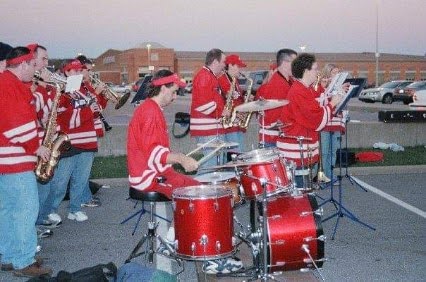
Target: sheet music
336, 84
73, 83
345, 99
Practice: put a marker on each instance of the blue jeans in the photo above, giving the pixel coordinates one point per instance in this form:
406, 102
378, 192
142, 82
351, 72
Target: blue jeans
329, 145
236, 137
18, 215
43, 194
76, 171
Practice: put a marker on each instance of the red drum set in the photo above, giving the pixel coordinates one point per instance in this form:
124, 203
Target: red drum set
285, 235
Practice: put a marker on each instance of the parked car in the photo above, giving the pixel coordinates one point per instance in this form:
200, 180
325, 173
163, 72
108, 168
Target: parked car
406, 94
257, 77
383, 93
419, 99
121, 89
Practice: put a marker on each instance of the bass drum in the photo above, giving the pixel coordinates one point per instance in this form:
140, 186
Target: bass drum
293, 228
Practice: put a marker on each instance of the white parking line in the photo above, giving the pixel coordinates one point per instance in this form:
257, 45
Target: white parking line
390, 198
163, 263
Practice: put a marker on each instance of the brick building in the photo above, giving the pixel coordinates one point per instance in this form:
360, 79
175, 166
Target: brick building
129, 65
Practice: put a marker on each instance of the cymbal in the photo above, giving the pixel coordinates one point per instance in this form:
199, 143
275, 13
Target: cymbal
278, 125
298, 137
261, 105
218, 143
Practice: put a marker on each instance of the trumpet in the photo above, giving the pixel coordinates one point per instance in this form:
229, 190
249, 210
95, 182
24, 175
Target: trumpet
108, 93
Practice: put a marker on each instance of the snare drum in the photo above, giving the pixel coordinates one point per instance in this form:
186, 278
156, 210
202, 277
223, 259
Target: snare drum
227, 179
268, 165
203, 218
291, 225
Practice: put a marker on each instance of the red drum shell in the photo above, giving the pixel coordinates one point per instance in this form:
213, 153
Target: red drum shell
287, 230
227, 179
273, 171
203, 218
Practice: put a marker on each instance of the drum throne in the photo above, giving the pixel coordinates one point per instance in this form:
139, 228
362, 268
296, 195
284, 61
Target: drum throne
151, 236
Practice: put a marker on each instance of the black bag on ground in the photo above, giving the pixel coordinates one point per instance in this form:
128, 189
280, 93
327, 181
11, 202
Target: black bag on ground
181, 124
97, 273
348, 158
135, 272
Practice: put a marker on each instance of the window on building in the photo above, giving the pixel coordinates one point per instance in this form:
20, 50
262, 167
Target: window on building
362, 74
380, 77
410, 75
422, 75
394, 75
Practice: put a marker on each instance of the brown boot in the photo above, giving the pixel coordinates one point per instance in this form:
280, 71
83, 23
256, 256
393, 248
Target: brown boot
33, 270
9, 267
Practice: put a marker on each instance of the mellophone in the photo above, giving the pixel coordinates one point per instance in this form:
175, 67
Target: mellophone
289, 235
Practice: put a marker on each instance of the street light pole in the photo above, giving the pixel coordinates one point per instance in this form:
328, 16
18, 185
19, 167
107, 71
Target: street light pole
377, 43
148, 47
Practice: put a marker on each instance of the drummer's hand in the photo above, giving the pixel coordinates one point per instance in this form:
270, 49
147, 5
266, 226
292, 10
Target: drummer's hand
189, 164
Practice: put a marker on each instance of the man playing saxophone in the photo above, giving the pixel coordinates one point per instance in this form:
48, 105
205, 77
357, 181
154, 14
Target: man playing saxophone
44, 95
228, 82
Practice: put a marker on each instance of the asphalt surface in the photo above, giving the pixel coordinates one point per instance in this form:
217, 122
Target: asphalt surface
395, 251
394, 205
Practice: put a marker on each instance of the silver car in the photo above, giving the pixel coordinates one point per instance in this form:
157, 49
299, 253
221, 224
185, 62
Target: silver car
383, 93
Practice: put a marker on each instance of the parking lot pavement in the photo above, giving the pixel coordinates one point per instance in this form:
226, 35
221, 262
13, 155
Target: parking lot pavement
396, 251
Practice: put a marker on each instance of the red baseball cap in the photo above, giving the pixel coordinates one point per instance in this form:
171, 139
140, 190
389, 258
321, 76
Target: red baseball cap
234, 60
173, 78
74, 65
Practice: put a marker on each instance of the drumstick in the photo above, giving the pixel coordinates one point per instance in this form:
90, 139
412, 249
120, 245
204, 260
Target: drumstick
200, 147
208, 156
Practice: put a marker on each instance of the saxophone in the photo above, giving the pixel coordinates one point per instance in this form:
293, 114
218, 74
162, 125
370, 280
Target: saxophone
245, 117
44, 169
227, 122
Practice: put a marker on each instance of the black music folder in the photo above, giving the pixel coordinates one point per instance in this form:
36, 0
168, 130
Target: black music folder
356, 86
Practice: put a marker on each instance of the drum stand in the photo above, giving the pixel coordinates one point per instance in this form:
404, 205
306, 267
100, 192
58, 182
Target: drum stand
341, 211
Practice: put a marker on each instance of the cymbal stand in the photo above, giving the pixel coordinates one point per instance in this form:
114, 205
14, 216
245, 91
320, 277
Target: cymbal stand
300, 141
341, 210
262, 117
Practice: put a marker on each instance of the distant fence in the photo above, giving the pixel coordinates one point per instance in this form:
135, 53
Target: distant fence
360, 135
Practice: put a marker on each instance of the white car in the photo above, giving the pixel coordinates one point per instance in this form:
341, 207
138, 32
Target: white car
419, 99
120, 89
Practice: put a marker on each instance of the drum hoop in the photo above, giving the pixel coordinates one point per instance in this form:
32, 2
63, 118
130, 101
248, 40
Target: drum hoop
224, 192
211, 257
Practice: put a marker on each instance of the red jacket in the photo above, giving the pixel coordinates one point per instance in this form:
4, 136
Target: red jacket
225, 85
337, 123
18, 127
207, 105
102, 102
305, 117
77, 123
147, 145
277, 88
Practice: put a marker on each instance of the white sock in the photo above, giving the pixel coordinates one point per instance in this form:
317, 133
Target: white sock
171, 234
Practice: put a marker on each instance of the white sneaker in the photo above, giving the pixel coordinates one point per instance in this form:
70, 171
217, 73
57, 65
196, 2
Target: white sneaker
55, 217
79, 216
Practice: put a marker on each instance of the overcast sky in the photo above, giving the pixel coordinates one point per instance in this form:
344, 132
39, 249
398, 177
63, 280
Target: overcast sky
67, 27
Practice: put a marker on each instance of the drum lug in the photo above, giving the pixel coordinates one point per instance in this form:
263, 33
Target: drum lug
174, 206
191, 206
319, 212
204, 240
218, 246
278, 242
193, 247
319, 238
216, 206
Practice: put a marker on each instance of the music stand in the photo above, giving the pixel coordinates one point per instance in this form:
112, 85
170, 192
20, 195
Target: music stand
338, 203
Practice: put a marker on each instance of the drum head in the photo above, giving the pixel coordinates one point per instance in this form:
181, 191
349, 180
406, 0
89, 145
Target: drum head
259, 155
201, 192
215, 177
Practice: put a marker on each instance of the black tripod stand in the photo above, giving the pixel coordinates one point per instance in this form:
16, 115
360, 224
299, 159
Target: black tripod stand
351, 179
341, 211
